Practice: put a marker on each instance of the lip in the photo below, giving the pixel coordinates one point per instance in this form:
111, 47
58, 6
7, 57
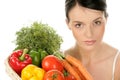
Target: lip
90, 42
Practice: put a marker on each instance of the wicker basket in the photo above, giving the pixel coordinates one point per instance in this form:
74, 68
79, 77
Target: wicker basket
11, 72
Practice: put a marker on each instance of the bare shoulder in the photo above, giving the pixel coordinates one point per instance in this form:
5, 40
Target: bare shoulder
69, 51
117, 71
112, 52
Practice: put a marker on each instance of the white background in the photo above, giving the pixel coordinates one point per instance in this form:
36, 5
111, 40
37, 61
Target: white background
15, 14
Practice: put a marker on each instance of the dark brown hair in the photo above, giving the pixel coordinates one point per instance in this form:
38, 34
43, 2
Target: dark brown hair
92, 4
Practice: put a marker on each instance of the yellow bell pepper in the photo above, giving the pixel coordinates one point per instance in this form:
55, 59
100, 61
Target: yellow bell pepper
32, 72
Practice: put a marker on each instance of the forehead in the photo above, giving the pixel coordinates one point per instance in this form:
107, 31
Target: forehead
83, 13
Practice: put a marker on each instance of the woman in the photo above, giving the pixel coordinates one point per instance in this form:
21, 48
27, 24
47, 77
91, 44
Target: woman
87, 20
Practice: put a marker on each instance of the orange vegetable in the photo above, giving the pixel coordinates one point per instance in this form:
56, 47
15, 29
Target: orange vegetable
79, 73
73, 61
70, 69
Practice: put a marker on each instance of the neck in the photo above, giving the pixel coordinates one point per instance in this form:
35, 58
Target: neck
88, 56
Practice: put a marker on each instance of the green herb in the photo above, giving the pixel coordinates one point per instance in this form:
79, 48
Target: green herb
38, 36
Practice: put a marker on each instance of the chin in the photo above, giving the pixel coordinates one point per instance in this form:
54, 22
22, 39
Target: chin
89, 48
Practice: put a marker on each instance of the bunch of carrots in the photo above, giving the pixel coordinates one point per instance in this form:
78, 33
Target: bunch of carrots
75, 68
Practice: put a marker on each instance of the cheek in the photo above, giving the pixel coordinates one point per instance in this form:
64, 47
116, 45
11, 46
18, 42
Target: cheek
99, 33
74, 32
78, 35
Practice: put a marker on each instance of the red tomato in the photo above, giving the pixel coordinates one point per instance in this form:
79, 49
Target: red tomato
52, 62
68, 76
54, 75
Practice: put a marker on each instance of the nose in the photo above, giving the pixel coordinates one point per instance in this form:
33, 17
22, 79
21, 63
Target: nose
89, 32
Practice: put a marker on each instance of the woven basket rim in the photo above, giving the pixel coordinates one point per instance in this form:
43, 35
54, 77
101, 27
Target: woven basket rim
10, 71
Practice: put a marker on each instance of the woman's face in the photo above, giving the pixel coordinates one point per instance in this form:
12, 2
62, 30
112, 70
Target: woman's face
87, 26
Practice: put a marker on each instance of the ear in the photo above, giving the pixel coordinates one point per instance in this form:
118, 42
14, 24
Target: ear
67, 22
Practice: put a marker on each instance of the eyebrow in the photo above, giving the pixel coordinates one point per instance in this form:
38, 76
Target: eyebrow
82, 22
97, 18
77, 22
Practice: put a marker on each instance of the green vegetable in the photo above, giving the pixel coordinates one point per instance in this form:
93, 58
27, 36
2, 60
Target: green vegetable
35, 57
43, 53
59, 55
38, 36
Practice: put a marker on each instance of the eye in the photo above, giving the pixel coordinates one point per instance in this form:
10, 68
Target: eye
78, 25
97, 22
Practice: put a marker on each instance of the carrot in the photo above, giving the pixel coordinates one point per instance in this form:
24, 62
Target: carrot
79, 73
70, 69
80, 67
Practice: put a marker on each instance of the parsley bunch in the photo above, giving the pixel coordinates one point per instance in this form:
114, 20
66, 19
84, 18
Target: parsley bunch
38, 36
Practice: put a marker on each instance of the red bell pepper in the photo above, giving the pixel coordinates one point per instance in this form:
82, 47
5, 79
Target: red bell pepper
19, 59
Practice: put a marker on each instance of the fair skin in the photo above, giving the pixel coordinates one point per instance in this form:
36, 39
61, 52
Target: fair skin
88, 28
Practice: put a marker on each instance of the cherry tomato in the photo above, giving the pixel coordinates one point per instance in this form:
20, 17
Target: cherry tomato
54, 75
52, 62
